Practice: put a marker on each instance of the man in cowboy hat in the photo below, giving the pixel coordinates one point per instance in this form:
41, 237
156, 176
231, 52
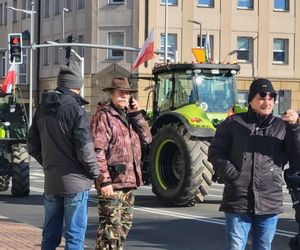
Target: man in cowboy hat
118, 130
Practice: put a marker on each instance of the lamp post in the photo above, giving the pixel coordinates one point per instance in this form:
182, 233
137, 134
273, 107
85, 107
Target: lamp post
200, 24
29, 12
63, 22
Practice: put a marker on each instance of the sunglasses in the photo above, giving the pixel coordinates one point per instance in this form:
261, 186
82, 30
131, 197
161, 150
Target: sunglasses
270, 95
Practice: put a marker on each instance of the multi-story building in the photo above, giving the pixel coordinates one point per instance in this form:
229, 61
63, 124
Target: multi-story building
261, 36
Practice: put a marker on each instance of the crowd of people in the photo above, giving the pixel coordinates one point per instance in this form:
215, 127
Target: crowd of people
248, 154
76, 154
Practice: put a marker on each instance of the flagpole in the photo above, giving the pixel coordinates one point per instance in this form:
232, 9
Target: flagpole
166, 31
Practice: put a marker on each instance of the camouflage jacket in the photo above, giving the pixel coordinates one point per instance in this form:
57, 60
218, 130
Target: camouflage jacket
118, 144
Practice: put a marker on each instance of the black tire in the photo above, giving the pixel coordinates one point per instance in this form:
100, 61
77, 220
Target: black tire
20, 180
4, 182
179, 171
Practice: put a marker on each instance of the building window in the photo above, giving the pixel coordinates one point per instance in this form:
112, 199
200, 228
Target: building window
46, 9
57, 53
245, 4
69, 5
80, 4
46, 55
5, 14
15, 12
3, 65
116, 39
172, 45
116, 1
80, 50
1, 14
57, 7
244, 49
206, 3
170, 2
280, 51
24, 6
28, 7
281, 5
23, 69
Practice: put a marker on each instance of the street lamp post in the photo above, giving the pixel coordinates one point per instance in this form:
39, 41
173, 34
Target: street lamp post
29, 12
63, 22
200, 24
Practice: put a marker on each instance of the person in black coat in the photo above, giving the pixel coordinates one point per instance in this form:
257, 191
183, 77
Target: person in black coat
248, 153
60, 140
292, 179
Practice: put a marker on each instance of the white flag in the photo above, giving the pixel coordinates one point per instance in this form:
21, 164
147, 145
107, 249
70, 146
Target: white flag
147, 51
207, 48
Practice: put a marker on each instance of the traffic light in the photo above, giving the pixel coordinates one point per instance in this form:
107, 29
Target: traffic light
15, 48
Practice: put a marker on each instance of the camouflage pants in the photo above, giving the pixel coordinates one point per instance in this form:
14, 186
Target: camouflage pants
115, 220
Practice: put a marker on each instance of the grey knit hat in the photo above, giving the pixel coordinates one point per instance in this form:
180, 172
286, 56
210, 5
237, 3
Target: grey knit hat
69, 76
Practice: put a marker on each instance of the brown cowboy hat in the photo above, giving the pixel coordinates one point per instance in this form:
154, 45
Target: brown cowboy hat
120, 83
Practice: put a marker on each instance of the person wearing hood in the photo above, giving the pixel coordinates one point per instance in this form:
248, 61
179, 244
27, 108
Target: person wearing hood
60, 140
248, 153
119, 131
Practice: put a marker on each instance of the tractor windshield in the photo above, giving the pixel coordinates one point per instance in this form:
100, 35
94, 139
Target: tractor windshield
212, 92
215, 93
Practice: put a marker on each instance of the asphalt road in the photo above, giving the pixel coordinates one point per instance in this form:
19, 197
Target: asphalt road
155, 227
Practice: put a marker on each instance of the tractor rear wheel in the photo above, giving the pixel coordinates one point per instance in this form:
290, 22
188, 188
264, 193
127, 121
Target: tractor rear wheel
4, 182
179, 171
20, 172
5, 167
20, 180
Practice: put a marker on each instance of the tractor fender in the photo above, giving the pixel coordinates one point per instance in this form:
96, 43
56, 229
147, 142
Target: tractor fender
173, 117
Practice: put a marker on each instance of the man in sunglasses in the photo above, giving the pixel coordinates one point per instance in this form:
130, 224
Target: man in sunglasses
248, 153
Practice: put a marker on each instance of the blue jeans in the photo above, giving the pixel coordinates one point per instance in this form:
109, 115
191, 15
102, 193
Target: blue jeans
69, 209
238, 226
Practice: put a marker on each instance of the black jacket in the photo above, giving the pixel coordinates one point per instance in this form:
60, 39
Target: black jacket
249, 153
60, 140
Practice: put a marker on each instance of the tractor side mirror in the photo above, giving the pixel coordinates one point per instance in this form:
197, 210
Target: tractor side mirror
284, 101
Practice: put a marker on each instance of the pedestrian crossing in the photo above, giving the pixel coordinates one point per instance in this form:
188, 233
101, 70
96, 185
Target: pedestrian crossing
215, 194
215, 191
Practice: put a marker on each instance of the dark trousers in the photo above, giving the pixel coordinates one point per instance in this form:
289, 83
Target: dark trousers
294, 243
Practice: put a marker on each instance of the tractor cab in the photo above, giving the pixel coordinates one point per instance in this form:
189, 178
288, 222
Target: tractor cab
207, 88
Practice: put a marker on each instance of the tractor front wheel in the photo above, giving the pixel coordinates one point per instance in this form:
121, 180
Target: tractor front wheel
179, 171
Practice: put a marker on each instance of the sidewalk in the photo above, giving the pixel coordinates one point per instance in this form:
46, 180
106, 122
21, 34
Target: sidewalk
18, 235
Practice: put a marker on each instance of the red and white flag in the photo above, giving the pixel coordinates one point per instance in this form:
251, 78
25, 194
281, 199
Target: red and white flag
9, 80
147, 51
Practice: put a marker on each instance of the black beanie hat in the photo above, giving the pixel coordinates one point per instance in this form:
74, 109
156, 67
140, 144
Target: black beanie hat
260, 85
70, 76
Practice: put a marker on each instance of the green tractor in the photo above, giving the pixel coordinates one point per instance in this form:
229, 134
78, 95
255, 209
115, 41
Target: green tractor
189, 102
14, 159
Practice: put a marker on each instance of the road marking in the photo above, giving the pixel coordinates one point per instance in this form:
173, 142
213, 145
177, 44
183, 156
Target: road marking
195, 217
185, 216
